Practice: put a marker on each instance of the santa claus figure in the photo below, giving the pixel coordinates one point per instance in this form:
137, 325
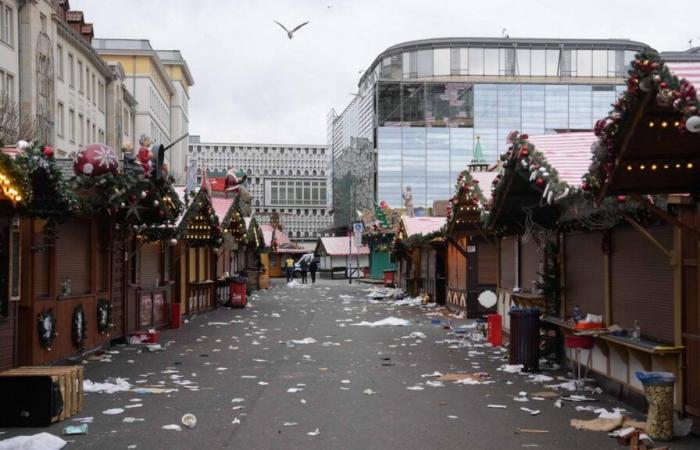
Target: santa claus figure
144, 155
233, 181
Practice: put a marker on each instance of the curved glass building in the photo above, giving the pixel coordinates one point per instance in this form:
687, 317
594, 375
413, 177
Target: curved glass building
424, 106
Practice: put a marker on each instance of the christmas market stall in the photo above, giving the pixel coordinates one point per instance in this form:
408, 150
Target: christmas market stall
143, 252
380, 225
279, 249
13, 192
195, 237
419, 250
648, 145
253, 255
471, 251
230, 259
343, 255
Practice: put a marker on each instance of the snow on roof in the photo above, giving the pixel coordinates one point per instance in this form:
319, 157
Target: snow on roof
221, 206
568, 153
688, 70
282, 238
339, 246
423, 225
485, 179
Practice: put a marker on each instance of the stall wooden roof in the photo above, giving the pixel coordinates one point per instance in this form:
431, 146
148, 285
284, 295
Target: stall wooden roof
339, 246
644, 145
422, 225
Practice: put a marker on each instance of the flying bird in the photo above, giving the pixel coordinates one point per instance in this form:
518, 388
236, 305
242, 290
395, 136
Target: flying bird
290, 34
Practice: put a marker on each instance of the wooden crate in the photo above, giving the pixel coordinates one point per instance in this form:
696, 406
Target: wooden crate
69, 379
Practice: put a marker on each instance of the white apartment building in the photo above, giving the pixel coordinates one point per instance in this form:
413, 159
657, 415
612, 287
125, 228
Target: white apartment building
287, 179
9, 50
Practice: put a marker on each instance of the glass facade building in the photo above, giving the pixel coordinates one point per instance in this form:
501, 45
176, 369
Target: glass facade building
424, 105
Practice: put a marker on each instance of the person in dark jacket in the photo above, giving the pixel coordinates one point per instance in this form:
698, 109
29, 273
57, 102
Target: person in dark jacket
304, 270
313, 267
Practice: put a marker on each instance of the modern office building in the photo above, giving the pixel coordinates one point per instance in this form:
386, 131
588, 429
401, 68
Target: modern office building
423, 106
287, 179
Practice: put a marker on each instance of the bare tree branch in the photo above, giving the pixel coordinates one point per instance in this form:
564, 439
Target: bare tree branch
14, 125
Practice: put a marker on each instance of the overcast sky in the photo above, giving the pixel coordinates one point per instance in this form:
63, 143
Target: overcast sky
253, 84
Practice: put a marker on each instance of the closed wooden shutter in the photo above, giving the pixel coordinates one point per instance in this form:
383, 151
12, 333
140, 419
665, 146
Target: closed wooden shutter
73, 255
486, 263
40, 274
507, 262
642, 282
584, 275
150, 265
462, 267
529, 263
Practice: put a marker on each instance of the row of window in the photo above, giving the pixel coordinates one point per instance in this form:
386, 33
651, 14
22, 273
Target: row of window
297, 192
523, 62
7, 86
306, 212
88, 84
87, 130
232, 149
7, 24
158, 107
156, 135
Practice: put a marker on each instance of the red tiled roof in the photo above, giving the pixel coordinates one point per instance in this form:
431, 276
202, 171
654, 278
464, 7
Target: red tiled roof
688, 70
339, 246
568, 153
423, 225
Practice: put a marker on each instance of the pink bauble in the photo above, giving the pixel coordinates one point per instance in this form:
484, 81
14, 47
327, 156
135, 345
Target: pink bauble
95, 159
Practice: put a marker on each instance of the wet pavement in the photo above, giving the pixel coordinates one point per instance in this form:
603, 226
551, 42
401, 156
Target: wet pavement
348, 387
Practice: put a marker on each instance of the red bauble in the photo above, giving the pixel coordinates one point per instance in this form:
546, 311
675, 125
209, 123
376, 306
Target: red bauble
540, 182
663, 85
585, 186
621, 199
48, 152
95, 159
524, 137
132, 199
524, 153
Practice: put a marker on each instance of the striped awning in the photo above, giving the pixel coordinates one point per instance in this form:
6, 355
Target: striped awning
688, 70
568, 153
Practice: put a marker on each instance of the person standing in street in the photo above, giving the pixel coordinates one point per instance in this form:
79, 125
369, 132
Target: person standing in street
304, 270
289, 265
313, 267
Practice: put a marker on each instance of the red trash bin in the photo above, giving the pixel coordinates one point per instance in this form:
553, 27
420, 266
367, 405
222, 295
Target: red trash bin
175, 317
237, 292
389, 278
495, 336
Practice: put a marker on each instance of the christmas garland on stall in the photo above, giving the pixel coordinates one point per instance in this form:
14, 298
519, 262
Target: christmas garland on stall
51, 196
648, 74
523, 159
233, 223
468, 194
403, 246
78, 327
104, 316
46, 327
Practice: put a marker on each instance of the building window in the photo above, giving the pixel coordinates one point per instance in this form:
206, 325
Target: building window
80, 77
71, 124
9, 87
44, 24
71, 71
59, 61
81, 130
87, 126
126, 121
6, 24
59, 120
94, 90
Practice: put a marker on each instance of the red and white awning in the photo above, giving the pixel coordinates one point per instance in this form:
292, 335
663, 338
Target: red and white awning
568, 153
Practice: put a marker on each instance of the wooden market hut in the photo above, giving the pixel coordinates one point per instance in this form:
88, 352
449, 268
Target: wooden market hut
255, 256
230, 259
279, 247
334, 253
610, 259
419, 249
650, 144
196, 240
12, 195
471, 251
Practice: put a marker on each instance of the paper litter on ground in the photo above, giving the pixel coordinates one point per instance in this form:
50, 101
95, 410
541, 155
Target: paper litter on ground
307, 340
511, 368
389, 321
316, 432
118, 385
40, 441
172, 427
113, 411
